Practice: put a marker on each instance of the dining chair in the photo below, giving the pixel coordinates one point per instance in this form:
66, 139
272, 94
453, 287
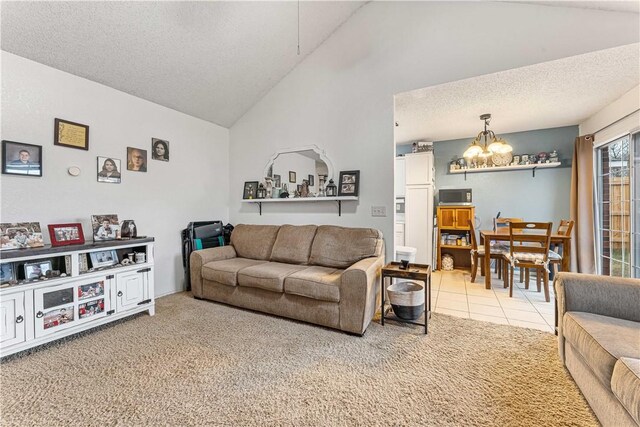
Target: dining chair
555, 257
530, 250
498, 252
502, 224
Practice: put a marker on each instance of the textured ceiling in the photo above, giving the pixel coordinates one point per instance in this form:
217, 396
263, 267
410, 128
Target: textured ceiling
632, 6
211, 60
546, 95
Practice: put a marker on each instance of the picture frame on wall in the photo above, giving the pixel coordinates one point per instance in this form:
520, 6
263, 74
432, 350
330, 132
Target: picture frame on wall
349, 183
71, 134
136, 159
250, 190
292, 177
109, 170
19, 158
159, 149
66, 234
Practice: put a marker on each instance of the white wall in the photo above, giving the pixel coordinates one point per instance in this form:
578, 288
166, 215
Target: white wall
616, 119
340, 97
193, 185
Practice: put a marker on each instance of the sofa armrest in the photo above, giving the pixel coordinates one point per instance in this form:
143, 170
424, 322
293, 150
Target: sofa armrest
359, 294
608, 296
199, 258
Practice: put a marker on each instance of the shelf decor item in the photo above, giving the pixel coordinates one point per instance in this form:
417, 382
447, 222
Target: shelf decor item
103, 258
70, 134
20, 235
332, 190
105, 227
349, 183
36, 270
19, 158
66, 234
261, 193
250, 189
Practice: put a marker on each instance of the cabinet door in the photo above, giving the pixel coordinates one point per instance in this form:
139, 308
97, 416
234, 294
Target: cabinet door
462, 218
132, 289
419, 168
12, 329
447, 218
418, 227
400, 179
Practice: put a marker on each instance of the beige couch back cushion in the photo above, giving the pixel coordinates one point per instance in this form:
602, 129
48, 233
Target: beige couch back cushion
340, 247
293, 244
254, 241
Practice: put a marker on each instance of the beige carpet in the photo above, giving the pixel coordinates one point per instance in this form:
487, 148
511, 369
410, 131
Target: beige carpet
198, 362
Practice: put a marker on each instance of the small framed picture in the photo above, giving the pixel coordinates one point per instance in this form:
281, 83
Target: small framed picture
349, 183
311, 180
35, 270
105, 227
292, 177
277, 181
136, 159
250, 188
109, 170
20, 235
7, 272
70, 134
19, 158
66, 234
299, 188
103, 258
159, 149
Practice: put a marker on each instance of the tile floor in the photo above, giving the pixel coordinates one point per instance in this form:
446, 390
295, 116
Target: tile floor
453, 293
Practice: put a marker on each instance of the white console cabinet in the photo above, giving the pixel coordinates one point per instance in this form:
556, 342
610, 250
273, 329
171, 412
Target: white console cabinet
75, 295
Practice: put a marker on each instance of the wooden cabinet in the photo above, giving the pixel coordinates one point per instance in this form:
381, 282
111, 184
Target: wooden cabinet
419, 168
12, 319
132, 289
453, 222
399, 181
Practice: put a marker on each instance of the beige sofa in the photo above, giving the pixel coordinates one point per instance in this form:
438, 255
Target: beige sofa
325, 275
599, 342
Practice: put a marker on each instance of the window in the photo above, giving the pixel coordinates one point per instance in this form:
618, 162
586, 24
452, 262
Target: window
618, 207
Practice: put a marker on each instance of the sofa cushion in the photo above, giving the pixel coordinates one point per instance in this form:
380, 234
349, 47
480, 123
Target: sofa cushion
625, 384
293, 244
320, 283
269, 276
226, 271
601, 341
340, 247
254, 241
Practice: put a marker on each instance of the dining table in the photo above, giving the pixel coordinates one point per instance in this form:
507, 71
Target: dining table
502, 235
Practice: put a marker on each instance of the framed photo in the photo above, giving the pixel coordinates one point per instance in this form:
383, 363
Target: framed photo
66, 234
20, 235
311, 180
277, 181
349, 183
105, 227
109, 170
7, 272
35, 270
292, 177
19, 158
136, 159
70, 134
250, 188
104, 258
159, 149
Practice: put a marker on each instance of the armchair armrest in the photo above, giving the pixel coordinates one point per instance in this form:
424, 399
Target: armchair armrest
199, 258
359, 294
608, 296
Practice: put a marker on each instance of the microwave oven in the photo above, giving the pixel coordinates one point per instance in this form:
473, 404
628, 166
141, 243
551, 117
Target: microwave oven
460, 196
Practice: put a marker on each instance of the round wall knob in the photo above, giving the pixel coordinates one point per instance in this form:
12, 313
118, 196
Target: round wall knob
119, 293
39, 314
19, 319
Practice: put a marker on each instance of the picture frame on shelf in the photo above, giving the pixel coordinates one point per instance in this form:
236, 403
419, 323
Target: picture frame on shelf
349, 183
35, 270
19, 158
105, 227
7, 272
71, 134
311, 180
104, 258
250, 190
20, 235
277, 181
66, 234
292, 177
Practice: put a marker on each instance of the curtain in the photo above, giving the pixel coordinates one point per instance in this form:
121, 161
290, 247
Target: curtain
583, 245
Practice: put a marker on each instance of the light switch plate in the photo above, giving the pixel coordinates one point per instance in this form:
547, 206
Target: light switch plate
378, 211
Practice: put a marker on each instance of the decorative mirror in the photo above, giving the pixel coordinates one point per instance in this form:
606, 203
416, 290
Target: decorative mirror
293, 165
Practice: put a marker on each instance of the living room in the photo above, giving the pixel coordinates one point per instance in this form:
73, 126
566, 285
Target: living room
136, 71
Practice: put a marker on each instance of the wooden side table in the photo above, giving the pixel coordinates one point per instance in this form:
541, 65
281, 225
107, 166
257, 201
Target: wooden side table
419, 272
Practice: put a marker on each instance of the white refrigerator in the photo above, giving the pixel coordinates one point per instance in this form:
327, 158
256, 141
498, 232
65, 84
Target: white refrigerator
419, 193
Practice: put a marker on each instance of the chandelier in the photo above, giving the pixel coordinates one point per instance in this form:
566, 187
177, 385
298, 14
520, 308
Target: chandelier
487, 143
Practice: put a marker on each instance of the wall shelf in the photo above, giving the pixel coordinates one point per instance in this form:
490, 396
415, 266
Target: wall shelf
339, 200
532, 166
